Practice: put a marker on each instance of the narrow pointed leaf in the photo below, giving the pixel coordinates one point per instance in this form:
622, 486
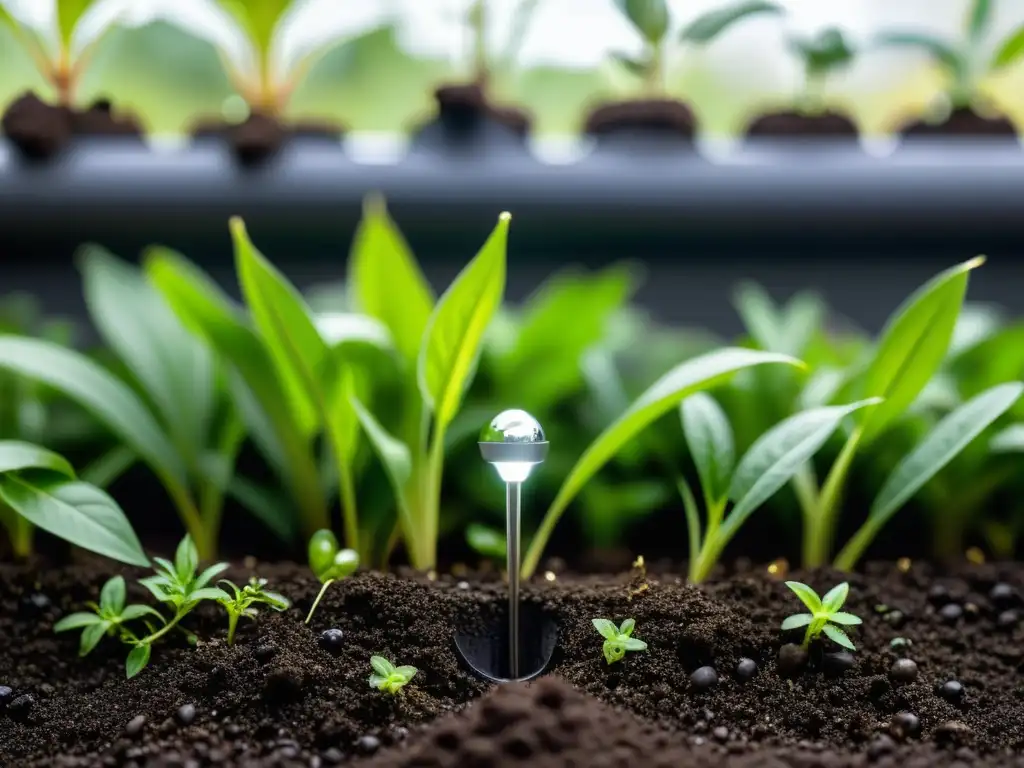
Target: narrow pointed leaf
186, 559
798, 620
807, 595
16, 455
710, 25
77, 621
395, 457
1009, 51
137, 660
112, 596
845, 618
978, 19
941, 51
133, 612
76, 512
209, 574
627, 627
709, 438
633, 644
69, 13
91, 637
835, 597
838, 636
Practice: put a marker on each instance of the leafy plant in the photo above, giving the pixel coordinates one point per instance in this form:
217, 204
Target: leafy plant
387, 677
39, 488
329, 563
688, 378
176, 584
243, 600
618, 640
59, 61
963, 62
824, 615
771, 462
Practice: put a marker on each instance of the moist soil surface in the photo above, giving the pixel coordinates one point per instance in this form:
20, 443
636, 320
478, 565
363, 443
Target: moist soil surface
277, 698
41, 130
260, 136
794, 125
658, 117
963, 122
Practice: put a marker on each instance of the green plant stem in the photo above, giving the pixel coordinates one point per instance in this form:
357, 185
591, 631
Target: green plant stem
431, 522
232, 626
478, 29
654, 77
319, 597
819, 528
22, 536
211, 495
150, 639
806, 489
192, 520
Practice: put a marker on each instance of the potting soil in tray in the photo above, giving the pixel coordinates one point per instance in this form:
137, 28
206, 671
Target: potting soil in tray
281, 696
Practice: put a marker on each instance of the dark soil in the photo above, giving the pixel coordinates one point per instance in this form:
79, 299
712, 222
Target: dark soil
261, 136
40, 130
466, 119
795, 125
963, 122
276, 698
659, 118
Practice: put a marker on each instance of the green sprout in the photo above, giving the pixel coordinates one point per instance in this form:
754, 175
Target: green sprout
387, 677
963, 62
824, 615
329, 563
58, 61
484, 63
175, 584
618, 640
822, 56
243, 600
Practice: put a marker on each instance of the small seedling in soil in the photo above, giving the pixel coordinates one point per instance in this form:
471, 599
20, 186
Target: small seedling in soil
329, 563
106, 617
243, 600
387, 677
824, 614
618, 640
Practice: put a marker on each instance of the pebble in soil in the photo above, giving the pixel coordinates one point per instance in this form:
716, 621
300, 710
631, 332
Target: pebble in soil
302, 702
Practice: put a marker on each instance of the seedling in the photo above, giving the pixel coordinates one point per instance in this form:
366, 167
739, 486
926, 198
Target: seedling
60, 62
824, 615
246, 597
484, 62
963, 62
387, 677
618, 640
329, 563
175, 584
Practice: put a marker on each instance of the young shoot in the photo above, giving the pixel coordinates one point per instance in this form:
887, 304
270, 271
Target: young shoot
176, 584
822, 55
824, 615
60, 62
485, 62
963, 62
651, 19
329, 563
618, 640
245, 598
387, 677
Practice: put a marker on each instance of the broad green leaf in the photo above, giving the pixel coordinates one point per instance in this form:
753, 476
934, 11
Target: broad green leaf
451, 343
101, 393
69, 12
807, 595
323, 546
950, 436
137, 660
913, 345
650, 17
1009, 440
978, 19
263, 401
633, 644
710, 25
174, 368
77, 621
838, 636
386, 281
91, 637
486, 541
381, 666
627, 626
824, 52
709, 438
286, 326
835, 597
945, 54
76, 512
345, 563
796, 621
112, 596
1009, 51
606, 628
688, 378
779, 453
16, 455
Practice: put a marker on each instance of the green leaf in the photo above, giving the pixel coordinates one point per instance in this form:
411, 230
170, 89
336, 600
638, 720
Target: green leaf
378, 681
69, 12
845, 618
978, 19
455, 331
91, 637
186, 560
407, 672
137, 660
606, 628
1009, 440
627, 627
286, 326
174, 368
345, 563
486, 541
650, 17
77, 621
835, 597
132, 612
913, 345
636, 67
76, 512
397, 462
209, 574
796, 621
259, 18
709, 438
112, 596
323, 546
208, 593
386, 281
761, 317
633, 644
688, 378
112, 402
948, 438
710, 25
382, 666
807, 596
824, 52
945, 54
1009, 51
16, 455
838, 636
